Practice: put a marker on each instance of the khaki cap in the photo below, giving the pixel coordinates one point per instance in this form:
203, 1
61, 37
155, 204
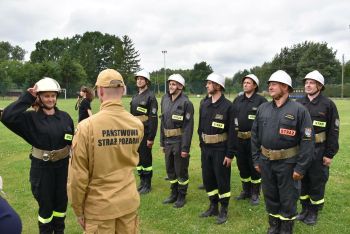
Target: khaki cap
109, 78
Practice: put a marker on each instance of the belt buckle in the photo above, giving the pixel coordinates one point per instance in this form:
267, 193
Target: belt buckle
268, 153
46, 157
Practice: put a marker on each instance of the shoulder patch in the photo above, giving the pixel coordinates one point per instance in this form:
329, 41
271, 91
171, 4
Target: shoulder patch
337, 122
154, 111
308, 132
218, 116
188, 116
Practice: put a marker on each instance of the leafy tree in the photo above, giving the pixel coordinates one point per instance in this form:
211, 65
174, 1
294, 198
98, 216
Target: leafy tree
197, 77
297, 61
72, 74
9, 52
347, 72
49, 50
5, 80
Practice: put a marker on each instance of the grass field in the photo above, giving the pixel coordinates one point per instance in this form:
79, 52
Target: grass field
158, 218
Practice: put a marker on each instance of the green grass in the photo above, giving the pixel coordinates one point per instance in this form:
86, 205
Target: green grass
158, 218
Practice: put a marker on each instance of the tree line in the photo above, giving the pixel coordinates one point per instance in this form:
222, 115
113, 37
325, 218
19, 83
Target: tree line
71, 61
77, 61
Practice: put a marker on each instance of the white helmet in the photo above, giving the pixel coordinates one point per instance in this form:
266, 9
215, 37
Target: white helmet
315, 75
47, 84
282, 77
253, 77
144, 74
178, 78
219, 79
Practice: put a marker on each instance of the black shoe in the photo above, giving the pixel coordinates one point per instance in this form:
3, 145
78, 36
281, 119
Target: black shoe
254, 200
213, 210
180, 202
302, 215
145, 190
275, 225
171, 199
311, 217
222, 218
287, 227
243, 195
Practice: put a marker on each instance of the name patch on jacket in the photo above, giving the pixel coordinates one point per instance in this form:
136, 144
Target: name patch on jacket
118, 137
287, 132
319, 124
289, 116
177, 117
252, 117
143, 110
68, 137
217, 125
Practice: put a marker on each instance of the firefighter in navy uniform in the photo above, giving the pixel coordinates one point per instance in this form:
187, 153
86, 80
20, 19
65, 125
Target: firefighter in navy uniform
217, 138
50, 132
201, 186
175, 137
282, 147
144, 106
246, 106
325, 120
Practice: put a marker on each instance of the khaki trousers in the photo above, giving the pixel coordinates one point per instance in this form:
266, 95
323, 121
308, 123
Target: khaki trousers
128, 224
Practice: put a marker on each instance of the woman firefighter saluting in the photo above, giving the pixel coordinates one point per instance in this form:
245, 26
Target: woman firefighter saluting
50, 132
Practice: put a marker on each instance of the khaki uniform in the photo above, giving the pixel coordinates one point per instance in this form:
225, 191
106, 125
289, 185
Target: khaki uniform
101, 182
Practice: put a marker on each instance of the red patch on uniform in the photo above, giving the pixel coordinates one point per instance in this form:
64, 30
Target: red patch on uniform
287, 132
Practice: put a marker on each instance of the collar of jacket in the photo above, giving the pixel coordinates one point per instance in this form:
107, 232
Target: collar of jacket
250, 99
314, 101
42, 114
285, 103
217, 103
111, 104
170, 96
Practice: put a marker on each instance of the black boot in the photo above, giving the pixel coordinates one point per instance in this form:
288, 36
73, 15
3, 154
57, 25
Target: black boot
147, 184
213, 209
181, 197
222, 217
142, 182
58, 225
311, 218
304, 211
45, 228
287, 227
173, 195
181, 200
254, 200
275, 224
246, 192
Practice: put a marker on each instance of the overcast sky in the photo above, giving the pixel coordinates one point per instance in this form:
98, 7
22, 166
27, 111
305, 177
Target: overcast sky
230, 35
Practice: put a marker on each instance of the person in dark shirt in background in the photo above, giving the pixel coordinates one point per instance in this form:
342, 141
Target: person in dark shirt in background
86, 95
